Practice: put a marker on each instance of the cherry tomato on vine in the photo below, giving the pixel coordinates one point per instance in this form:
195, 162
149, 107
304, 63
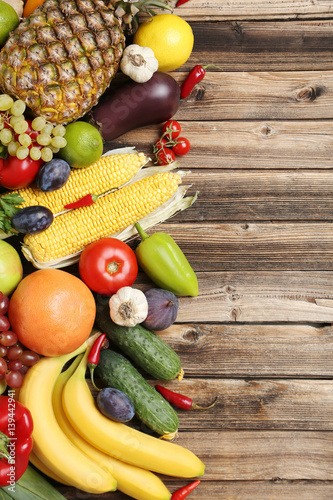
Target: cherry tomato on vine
171, 129
182, 146
165, 156
160, 144
107, 265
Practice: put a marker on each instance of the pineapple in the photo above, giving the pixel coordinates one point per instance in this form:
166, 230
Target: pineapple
62, 58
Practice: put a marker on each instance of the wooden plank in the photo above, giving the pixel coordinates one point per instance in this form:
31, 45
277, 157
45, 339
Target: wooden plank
276, 489
262, 455
246, 296
263, 46
260, 196
256, 404
254, 9
259, 96
254, 246
245, 144
245, 350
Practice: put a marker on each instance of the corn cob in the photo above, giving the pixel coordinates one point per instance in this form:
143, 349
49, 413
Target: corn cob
72, 231
108, 172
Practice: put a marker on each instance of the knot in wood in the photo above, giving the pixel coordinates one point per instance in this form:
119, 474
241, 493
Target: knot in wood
191, 335
266, 130
306, 94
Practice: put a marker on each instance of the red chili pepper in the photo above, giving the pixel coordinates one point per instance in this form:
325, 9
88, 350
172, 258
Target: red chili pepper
93, 357
195, 76
182, 402
181, 2
87, 200
15, 439
185, 490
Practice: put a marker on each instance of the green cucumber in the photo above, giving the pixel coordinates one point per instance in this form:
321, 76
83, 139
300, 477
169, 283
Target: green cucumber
142, 346
150, 407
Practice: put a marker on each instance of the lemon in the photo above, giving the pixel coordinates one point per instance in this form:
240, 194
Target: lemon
170, 37
8, 21
84, 145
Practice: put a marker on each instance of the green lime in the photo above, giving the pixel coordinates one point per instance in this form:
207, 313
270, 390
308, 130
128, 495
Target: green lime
84, 145
8, 21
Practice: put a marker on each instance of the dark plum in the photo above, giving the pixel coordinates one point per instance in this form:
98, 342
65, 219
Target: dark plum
32, 220
53, 175
115, 405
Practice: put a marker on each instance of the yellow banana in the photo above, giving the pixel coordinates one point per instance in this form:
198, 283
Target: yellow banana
51, 445
42, 467
135, 482
120, 440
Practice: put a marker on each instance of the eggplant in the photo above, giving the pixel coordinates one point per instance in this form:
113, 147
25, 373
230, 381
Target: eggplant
135, 105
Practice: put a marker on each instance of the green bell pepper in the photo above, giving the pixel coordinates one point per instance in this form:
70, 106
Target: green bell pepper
163, 261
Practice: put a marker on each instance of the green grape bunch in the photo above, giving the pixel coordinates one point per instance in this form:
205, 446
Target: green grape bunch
24, 138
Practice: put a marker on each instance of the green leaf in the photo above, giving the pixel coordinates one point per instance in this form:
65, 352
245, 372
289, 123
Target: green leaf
9, 206
10, 203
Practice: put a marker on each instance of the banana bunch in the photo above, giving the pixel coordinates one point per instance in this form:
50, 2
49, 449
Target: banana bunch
77, 445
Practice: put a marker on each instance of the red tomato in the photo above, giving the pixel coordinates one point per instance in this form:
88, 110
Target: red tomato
17, 174
107, 265
165, 156
160, 144
171, 129
182, 146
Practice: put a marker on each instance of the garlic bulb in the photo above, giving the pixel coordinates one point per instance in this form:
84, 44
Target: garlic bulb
139, 63
128, 307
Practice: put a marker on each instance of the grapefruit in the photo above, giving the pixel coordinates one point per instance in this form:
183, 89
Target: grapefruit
52, 312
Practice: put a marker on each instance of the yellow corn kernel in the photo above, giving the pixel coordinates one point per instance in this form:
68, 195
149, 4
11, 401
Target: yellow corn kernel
106, 173
72, 231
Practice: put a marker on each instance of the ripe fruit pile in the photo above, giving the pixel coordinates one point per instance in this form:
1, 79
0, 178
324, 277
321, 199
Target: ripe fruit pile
22, 137
170, 144
15, 360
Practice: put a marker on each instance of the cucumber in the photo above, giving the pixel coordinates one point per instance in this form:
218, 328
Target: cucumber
142, 346
150, 407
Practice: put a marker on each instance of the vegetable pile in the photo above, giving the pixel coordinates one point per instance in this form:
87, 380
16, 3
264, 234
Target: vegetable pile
89, 418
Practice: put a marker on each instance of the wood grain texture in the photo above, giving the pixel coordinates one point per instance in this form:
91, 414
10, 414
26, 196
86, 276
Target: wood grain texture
275, 489
255, 246
262, 455
254, 297
263, 46
254, 9
238, 195
254, 404
243, 145
252, 350
259, 96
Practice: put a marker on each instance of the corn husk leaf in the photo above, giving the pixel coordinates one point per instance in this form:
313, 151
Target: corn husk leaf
175, 204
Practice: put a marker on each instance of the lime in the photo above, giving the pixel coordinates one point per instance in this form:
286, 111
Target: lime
170, 37
8, 21
84, 145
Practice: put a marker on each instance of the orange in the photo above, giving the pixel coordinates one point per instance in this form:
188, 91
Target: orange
52, 312
30, 6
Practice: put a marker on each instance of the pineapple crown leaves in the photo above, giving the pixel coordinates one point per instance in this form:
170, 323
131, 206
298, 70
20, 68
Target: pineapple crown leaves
128, 9
9, 205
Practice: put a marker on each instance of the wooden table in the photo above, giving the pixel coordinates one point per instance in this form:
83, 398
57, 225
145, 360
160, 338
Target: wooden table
261, 241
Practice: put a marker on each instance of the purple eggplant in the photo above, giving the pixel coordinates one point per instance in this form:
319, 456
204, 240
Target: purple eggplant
135, 105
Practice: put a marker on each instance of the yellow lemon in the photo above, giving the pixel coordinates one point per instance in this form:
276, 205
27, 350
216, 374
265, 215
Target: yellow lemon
8, 21
170, 37
84, 145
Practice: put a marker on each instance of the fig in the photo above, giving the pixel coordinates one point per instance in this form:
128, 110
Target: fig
162, 309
